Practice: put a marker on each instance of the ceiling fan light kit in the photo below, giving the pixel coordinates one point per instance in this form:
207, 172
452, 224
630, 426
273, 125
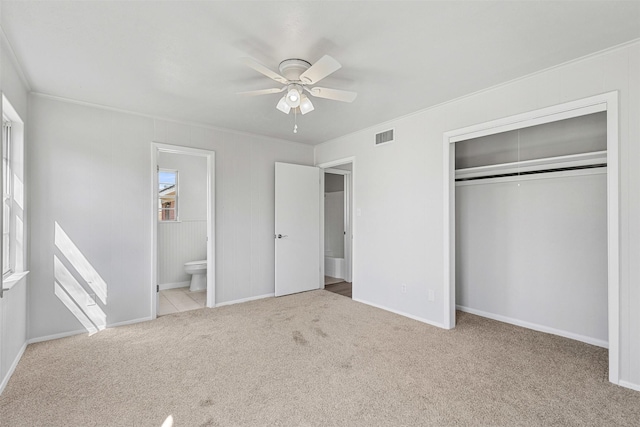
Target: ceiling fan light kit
305, 105
296, 75
293, 95
283, 106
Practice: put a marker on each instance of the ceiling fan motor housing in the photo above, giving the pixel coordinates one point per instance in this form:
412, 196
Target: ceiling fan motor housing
291, 69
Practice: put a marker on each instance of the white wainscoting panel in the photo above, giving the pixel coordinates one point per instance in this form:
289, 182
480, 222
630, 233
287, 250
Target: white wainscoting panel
180, 242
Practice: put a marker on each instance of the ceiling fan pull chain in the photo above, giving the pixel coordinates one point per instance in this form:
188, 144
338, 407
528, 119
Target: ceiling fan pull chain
295, 120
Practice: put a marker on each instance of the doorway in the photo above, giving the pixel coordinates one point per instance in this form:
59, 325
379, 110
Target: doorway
183, 243
337, 228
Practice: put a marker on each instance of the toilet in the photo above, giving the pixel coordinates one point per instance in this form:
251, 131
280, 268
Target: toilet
198, 272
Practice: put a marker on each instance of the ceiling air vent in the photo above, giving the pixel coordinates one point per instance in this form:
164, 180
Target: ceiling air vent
385, 137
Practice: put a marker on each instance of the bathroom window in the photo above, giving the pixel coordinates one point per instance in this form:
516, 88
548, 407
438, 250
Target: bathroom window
6, 196
167, 195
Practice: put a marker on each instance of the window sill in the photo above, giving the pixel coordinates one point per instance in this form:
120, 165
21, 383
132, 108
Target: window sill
10, 281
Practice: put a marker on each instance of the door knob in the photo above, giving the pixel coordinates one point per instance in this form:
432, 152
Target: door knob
280, 236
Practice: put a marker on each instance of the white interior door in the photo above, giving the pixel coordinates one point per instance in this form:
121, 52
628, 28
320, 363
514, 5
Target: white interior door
297, 228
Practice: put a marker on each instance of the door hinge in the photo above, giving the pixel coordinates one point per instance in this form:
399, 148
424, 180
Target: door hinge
157, 288
157, 168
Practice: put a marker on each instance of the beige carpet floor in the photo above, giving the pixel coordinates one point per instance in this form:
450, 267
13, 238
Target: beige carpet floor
314, 359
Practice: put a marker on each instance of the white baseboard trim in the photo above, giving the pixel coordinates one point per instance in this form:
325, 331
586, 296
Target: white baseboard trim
410, 316
130, 322
535, 326
238, 301
627, 384
12, 368
56, 336
83, 331
165, 286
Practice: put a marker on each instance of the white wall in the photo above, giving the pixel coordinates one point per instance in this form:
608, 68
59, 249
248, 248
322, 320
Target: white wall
186, 239
399, 188
334, 224
91, 172
533, 250
13, 306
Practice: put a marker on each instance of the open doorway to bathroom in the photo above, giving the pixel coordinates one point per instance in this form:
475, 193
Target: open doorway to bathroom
183, 227
337, 229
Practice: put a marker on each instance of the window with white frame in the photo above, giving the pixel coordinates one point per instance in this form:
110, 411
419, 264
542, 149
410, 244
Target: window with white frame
167, 195
7, 198
14, 217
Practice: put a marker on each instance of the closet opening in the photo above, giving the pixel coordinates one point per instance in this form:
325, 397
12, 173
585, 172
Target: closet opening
531, 227
532, 222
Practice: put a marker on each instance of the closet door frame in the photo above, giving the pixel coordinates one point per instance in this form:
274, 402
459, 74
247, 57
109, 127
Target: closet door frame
605, 102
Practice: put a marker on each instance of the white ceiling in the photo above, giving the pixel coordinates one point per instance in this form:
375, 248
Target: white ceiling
180, 60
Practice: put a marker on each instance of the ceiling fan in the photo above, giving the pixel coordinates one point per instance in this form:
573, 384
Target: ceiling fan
296, 76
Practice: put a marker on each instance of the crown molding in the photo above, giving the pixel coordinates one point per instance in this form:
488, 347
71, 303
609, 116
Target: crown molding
12, 54
166, 119
390, 122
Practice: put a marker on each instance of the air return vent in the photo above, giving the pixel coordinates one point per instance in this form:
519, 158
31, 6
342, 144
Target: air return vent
385, 137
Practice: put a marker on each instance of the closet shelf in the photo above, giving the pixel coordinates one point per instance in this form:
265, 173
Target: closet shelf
572, 160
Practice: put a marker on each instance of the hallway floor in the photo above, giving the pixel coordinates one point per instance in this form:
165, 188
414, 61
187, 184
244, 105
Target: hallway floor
341, 288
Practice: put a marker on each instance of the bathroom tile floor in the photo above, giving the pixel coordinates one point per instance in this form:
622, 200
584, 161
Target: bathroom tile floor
180, 299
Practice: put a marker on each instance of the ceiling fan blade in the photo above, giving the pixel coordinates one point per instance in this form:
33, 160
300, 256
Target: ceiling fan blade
333, 94
321, 69
262, 92
250, 62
